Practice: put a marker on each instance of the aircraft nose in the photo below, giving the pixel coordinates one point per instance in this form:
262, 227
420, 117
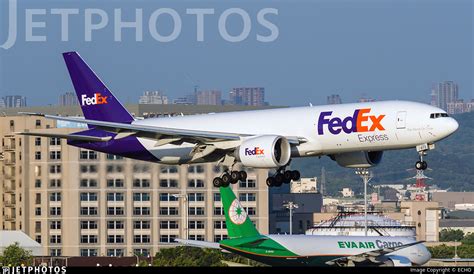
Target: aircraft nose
452, 125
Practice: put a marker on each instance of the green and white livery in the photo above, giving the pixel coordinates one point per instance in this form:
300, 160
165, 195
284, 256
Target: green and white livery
300, 250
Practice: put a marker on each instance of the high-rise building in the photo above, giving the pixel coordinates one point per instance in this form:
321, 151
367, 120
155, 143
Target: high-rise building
13, 101
247, 96
364, 99
209, 97
153, 97
77, 202
444, 93
334, 99
68, 99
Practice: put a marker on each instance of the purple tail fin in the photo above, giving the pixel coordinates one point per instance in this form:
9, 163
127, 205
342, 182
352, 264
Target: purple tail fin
96, 100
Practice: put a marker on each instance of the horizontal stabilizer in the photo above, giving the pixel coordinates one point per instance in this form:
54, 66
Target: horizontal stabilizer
201, 244
85, 138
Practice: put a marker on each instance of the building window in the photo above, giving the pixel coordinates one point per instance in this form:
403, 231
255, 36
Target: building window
88, 252
88, 239
195, 183
218, 211
38, 198
168, 238
55, 211
217, 197
88, 211
54, 141
55, 252
247, 197
141, 168
37, 183
55, 225
196, 197
38, 123
196, 237
141, 252
55, 169
248, 184
55, 183
219, 237
142, 183
115, 239
251, 211
89, 183
38, 141
88, 169
88, 225
87, 155
144, 239
114, 252
55, 239
196, 169
55, 197
38, 155
169, 169
115, 183
141, 197
37, 227
114, 157
38, 239
168, 211
168, 197
88, 197
168, 183
113, 210
115, 225
196, 224
141, 225
55, 155
169, 225
114, 168
219, 225
196, 211
141, 211
115, 197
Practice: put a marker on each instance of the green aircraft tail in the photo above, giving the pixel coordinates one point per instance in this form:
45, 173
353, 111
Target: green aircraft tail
236, 219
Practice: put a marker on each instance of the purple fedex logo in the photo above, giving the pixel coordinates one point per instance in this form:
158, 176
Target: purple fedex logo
359, 122
254, 151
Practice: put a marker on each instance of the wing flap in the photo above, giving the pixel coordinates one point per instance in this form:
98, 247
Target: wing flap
67, 136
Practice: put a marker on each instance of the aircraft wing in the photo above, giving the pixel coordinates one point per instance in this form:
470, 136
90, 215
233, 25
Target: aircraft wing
200, 244
167, 135
371, 256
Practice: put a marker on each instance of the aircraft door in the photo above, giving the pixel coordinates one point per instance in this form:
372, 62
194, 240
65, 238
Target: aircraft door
401, 119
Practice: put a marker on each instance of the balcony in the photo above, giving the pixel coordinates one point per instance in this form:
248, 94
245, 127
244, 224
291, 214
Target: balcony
9, 189
9, 161
11, 147
10, 218
9, 203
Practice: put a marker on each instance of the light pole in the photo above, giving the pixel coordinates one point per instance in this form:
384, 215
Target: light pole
366, 176
290, 205
186, 202
138, 259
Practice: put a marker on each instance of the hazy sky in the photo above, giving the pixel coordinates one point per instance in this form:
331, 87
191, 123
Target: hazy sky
383, 49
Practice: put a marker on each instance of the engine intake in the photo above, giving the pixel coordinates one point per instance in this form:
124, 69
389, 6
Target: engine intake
359, 159
268, 151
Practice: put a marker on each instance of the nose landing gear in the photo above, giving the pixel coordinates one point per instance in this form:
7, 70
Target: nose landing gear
422, 151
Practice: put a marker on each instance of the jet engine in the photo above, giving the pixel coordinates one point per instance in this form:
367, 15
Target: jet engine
396, 260
359, 159
267, 151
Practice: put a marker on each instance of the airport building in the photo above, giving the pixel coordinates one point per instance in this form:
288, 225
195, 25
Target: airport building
76, 202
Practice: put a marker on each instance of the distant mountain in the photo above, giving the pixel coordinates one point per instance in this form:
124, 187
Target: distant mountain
452, 164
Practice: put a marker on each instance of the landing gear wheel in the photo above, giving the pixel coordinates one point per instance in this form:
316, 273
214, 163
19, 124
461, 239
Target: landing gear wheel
279, 179
424, 165
419, 165
287, 176
243, 175
235, 175
226, 179
217, 182
270, 181
295, 175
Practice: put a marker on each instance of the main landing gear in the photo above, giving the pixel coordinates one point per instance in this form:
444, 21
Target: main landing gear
229, 178
283, 176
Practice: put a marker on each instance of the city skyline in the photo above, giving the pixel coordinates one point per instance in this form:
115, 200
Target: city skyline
354, 48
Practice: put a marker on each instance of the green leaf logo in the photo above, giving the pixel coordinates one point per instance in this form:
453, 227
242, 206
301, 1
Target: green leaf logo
237, 213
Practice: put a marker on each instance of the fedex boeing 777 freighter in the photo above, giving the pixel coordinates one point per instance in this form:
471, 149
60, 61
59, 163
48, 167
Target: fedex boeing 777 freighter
354, 135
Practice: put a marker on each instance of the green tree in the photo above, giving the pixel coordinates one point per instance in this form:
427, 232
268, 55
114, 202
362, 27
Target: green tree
451, 235
187, 256
14, 255
468, 239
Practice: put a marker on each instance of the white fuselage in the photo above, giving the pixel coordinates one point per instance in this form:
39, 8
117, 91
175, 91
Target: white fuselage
328, 129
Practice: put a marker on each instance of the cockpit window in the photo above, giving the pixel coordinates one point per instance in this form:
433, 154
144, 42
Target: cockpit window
438, 115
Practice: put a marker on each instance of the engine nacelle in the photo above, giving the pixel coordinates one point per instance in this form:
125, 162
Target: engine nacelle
359, 159
396, 260
268, 151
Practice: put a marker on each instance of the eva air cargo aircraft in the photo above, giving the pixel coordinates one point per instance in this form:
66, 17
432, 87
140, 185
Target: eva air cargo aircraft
310, 250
